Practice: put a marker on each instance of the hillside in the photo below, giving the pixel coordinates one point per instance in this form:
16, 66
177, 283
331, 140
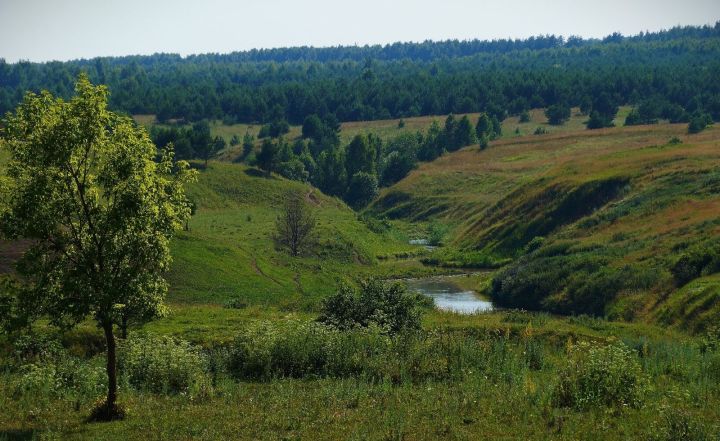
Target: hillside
612, 211
229, 253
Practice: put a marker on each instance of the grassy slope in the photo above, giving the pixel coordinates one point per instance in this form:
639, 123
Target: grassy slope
229, 253
660, 199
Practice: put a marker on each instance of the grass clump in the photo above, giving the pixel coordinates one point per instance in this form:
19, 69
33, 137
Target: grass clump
163, 365
267, 351
601, 376
679, 425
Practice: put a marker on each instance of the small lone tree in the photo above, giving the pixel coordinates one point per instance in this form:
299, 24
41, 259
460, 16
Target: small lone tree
295, 227
85, 188
558, 114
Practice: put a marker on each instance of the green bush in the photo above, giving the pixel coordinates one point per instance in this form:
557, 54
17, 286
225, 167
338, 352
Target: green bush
699, 261
61, 377
386, 305
268, 350
679, 425
436, 233
601, 376
162, 365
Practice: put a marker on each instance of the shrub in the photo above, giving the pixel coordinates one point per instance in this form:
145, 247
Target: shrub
601, 376
269, 350
557, 114
63, 377
162, 364
236, 303
436, 233
699, 261
698, 123
533, 354
386, 305
541, 131
678, 425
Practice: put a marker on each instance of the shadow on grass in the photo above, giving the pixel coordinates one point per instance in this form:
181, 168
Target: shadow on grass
256, 173
17, 435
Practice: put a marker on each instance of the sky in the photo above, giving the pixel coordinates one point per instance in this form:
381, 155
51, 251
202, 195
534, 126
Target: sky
45, 30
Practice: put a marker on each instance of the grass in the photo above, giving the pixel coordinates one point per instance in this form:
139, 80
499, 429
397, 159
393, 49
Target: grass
228, 276
626, 193
507, 393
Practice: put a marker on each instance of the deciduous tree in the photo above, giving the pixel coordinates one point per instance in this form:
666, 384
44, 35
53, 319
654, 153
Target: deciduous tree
85, 188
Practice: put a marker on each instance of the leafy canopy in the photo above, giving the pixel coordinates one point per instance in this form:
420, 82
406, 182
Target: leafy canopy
87, 188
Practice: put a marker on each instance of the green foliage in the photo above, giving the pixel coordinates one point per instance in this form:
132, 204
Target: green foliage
436, 233
601, 376
362, 190
267, 159
274, 129
47, 371
558, 114
386, 305
428, 78
360, 156
541, 131
524, 117
699, 122
484, 127
99, 207
702, 260
678, 425
161, 364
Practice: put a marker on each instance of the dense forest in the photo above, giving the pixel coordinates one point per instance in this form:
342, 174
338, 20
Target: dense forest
675, 71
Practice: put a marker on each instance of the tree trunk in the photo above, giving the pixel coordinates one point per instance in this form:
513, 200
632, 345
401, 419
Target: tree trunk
124, 326
111, 369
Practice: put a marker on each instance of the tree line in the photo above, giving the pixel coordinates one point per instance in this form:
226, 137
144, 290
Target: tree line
354, 172
500, 77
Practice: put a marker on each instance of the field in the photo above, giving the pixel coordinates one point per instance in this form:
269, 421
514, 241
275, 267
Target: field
507, 374
509, 395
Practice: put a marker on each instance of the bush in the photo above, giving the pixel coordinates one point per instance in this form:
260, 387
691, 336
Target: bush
162, 365
300, 349
386, 305
48, 371
61, 377
269, 350
699, 261
557, 114
436, 233
601, 376
698, 123
678, 425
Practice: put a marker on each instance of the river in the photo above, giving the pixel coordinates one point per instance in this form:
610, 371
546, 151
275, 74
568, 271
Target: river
449, 295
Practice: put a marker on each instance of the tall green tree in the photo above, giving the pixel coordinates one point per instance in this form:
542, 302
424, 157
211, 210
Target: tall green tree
465, 134
484, 127
268, 158
99, 211
558, 114
360, 156
362, 189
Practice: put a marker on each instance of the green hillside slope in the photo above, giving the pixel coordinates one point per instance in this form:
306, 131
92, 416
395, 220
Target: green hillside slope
229, 253
594, 220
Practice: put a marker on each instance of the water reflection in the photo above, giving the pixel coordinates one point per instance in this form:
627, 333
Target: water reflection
449, 296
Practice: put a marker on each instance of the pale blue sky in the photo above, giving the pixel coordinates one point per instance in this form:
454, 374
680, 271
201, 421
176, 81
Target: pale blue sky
41, 30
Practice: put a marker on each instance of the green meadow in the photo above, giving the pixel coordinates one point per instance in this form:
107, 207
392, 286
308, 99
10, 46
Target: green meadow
241, 356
